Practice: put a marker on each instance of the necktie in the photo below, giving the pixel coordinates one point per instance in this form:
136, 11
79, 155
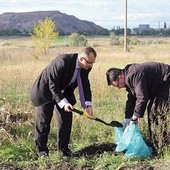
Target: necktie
80, 89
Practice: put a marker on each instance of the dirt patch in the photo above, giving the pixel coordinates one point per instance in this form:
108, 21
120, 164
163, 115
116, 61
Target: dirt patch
18, 117
97, 149
8, 166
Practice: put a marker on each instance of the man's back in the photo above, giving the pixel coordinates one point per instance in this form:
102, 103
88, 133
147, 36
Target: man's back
147, 78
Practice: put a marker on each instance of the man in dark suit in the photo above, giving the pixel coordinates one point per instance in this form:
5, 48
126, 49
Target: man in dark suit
147, 84
54, 89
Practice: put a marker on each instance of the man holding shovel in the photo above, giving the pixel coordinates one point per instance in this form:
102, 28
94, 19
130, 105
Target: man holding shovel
54, 89
148, 85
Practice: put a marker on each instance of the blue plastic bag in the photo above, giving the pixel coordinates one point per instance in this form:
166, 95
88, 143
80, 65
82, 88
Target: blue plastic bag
131, 142
119, 133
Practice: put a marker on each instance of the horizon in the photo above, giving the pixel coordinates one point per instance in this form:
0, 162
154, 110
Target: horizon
106, 14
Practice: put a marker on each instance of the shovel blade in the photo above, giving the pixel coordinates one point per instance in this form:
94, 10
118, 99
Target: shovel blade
115, 124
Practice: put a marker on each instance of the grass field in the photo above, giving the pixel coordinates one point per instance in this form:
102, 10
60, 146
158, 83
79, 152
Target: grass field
19, 68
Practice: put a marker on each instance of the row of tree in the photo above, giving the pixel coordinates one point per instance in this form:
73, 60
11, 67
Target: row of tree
15, 32
151, 31
104, 32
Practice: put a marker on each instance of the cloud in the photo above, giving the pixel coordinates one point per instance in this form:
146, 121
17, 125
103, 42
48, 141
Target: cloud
106, 13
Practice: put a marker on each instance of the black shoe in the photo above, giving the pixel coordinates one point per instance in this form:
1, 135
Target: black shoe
69, 153
42, 152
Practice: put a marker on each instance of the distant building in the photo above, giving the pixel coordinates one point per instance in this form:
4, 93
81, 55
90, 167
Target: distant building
143, 27
135, 31
140, 29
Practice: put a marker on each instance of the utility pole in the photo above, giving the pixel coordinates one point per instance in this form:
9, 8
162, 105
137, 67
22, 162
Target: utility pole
125, 29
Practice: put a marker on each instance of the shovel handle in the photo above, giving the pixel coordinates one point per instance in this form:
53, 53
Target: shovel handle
82, 113
112, 124
77, 111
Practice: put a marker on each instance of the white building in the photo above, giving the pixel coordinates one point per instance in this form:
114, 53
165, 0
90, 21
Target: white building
144, 27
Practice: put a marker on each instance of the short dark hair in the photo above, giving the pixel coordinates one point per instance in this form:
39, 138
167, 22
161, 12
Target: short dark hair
89, 50
112, 74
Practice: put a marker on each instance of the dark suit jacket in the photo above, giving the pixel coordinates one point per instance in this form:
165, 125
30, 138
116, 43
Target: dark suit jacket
56, 77
145, 82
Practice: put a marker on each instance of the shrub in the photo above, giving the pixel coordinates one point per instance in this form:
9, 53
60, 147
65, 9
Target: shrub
134, 41
114, 40
76, 40
159, 128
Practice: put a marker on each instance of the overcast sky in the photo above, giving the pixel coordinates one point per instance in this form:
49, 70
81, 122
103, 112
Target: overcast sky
106, 13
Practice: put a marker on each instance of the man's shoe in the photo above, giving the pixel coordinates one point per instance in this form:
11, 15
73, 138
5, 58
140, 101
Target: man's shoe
42, 153
69, 153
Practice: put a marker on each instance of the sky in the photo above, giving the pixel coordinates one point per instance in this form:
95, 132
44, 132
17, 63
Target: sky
106, 13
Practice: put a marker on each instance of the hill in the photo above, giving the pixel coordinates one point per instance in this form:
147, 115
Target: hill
66, 24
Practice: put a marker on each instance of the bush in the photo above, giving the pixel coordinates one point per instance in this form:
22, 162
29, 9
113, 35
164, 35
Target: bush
130, 41
159, 128
114, 40
76, 40
134, 41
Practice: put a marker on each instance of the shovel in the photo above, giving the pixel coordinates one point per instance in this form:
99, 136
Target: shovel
112, 123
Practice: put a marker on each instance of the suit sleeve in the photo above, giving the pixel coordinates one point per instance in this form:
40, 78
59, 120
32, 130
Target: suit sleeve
56, 73
141, 96
130, 105
137, 96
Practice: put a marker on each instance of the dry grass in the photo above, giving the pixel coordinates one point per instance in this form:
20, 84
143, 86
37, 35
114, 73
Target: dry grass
19, 68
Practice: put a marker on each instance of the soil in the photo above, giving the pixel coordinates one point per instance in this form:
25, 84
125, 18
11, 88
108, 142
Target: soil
97, 149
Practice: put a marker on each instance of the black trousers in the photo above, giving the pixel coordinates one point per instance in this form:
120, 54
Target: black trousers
43, 118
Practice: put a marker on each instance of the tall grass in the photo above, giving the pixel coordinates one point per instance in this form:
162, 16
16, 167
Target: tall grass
18, 71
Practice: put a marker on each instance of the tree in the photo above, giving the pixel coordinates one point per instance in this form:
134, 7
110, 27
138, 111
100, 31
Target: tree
44, 34
164, 25
76, 39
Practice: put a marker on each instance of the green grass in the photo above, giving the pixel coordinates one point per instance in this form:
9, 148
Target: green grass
61, 41
18, 72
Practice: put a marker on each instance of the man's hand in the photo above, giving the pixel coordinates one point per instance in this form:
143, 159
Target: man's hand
134, 120
89, 110
68, 107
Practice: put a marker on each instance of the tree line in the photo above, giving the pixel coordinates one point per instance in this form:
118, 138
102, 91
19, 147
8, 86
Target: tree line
15, 32
103, 32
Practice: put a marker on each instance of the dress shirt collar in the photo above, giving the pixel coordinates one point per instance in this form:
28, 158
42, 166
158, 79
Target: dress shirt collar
77, 63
